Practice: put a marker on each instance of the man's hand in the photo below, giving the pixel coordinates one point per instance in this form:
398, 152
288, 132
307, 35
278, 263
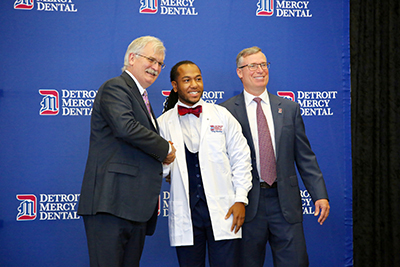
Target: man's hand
168, 178
171, 156
322, 206
238, 210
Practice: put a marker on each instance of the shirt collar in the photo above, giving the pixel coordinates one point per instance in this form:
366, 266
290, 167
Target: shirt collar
199, 103
248, 98
141, 89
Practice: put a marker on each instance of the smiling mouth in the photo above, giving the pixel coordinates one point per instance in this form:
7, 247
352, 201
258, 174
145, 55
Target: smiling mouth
152, 72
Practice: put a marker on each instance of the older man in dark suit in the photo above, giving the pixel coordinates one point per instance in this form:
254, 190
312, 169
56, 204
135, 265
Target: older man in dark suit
276, 135
123, 173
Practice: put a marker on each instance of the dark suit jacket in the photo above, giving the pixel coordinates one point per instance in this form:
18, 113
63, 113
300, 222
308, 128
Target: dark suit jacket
292, 147
124, 168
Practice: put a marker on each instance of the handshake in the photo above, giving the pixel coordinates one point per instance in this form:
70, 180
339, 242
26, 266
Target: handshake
171, 155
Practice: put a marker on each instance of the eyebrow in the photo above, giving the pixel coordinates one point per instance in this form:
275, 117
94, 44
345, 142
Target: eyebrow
184, 77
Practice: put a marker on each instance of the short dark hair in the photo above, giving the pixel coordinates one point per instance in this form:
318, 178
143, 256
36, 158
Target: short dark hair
174, 70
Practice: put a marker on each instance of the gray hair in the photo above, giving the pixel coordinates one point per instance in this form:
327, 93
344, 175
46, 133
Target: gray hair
244, 53
138, 44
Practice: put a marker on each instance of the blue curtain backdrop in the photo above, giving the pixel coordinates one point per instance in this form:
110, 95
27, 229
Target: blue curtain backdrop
56, 53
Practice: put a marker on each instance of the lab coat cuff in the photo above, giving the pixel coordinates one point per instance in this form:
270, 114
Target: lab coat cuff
241, 196
166, 170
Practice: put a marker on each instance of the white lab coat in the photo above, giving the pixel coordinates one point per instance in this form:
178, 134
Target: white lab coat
225, 167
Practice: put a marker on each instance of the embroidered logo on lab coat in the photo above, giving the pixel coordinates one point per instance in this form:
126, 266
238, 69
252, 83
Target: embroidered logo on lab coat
216, 128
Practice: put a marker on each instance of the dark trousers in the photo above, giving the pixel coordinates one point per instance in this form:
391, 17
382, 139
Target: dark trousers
113, 241
222, 253
286, 240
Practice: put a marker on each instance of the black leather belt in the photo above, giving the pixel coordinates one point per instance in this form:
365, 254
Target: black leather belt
265, 185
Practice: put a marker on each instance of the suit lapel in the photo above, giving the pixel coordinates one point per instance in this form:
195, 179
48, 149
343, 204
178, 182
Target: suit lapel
155, 120
135, 90
205, 123
241, 116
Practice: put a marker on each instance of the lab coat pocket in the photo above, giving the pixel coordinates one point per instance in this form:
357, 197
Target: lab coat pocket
219, 210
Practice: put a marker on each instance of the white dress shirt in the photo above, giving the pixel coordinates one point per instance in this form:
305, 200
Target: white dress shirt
191, 127
141, 90
251, 107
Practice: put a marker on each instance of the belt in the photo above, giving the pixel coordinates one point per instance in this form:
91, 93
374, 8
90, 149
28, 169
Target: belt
265, 185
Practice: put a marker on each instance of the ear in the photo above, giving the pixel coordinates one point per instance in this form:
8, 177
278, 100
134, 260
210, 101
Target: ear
174, 86
239, 73
132, 58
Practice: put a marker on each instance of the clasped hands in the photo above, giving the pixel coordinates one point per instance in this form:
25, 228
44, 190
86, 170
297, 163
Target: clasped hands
171, 155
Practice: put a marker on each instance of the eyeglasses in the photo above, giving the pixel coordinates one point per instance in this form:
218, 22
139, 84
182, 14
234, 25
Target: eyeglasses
153, 61
254, 66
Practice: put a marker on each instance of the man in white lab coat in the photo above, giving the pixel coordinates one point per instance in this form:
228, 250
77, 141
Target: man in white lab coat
210, 177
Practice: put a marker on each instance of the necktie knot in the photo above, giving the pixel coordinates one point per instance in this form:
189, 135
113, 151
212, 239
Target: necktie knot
195, 111
257, 99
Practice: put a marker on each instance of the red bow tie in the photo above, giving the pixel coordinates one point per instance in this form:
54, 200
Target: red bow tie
195, 111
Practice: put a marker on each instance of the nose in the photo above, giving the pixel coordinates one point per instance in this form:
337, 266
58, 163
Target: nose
155, 65
259, 68
193, 83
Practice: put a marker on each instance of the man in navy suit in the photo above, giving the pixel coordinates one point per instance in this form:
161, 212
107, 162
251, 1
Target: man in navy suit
122, 180
274, 213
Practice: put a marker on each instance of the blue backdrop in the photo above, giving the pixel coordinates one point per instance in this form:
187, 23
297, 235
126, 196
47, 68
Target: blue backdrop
56, 53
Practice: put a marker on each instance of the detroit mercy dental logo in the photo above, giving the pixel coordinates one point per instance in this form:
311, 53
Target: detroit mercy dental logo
148, 6
46, 5
49, 207
286, 94
216, 128
168, 7
284, 9
265, 8
23, 4
49, 102
72, 102
165, 92
312, 103
27, 208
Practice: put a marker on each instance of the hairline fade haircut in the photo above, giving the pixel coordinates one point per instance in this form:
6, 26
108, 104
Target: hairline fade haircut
246, 52
137, 45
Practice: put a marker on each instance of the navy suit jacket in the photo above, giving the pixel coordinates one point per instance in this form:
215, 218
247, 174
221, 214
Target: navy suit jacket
292, 149
123, 173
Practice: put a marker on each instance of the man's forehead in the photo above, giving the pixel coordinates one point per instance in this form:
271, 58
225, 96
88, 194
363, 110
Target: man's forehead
150, 49
258, 55
186, 68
